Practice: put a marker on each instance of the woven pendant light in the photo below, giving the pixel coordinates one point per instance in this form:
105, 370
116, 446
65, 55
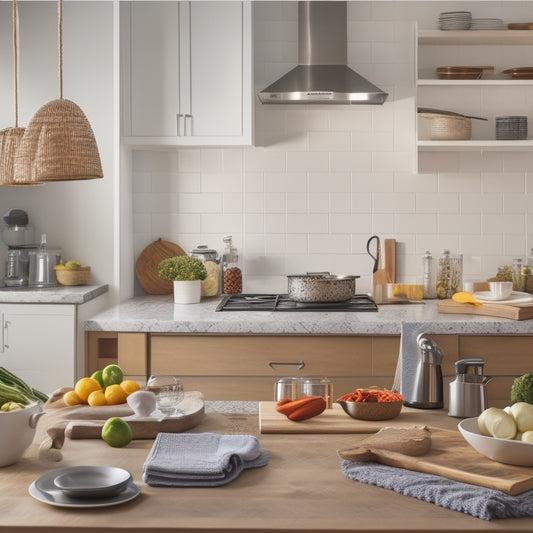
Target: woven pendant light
59, 143
10, 138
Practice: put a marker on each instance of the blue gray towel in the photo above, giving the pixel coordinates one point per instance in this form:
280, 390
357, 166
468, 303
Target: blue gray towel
200, 459
480, 502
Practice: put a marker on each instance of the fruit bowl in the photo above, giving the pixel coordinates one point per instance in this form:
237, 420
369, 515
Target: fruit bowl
371, 410
79, 276
511, 452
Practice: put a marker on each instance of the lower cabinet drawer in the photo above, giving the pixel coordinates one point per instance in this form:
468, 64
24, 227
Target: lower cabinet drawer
257, 355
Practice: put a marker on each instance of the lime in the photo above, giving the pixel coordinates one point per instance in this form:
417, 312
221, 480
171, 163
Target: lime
116, 432
98, 376
112, 375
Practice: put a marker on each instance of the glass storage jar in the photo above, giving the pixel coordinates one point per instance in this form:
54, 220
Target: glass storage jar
211, 260
449, 274
231, 271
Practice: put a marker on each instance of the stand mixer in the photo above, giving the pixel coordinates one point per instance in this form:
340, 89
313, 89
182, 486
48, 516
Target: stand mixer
18, 236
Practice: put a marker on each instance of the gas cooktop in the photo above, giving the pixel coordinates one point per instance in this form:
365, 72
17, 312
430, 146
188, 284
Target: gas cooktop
281, 302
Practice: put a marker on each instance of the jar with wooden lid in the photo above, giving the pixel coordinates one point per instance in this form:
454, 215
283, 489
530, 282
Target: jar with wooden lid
231, 270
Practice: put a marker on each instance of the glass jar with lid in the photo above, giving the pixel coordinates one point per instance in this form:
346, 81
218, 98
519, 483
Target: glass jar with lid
211, 260
449, 274
231, 271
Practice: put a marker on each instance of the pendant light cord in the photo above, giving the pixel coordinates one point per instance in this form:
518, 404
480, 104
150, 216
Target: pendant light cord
60, 44
16, 60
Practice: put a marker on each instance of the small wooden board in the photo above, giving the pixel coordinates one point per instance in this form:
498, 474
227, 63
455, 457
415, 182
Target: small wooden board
514, 312
450, 456
333, 420
147, 262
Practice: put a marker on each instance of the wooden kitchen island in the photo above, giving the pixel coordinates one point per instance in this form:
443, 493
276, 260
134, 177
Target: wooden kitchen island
302, 489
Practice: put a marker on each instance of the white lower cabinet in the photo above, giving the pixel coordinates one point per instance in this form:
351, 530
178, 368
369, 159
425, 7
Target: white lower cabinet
38, 344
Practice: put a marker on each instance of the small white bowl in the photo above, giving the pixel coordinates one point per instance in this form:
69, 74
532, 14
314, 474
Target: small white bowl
511, 452
92, 481
500, 290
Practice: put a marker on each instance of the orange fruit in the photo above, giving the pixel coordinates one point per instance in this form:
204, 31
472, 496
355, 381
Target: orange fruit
129, 386
115, 394
71, 398
85, 386
96, 398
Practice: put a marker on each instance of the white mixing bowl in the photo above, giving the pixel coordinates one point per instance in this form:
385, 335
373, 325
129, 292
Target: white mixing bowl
17, 429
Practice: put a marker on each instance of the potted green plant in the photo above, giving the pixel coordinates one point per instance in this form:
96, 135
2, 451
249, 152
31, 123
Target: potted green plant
186, 273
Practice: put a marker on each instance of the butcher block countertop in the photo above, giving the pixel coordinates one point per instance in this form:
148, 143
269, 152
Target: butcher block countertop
302, 489
159, 314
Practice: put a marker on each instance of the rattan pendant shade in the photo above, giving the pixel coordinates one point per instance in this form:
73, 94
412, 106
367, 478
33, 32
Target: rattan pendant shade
10, 138
59, 143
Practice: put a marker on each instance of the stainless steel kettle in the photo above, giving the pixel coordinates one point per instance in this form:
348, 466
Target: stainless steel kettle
427, 386
468, 392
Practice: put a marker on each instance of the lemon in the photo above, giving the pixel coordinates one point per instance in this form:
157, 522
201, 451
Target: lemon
115, 394
71, 398
98, 376
129, 386
72, 265
116, 432
112, 375
60, 266
97, 398
85, 386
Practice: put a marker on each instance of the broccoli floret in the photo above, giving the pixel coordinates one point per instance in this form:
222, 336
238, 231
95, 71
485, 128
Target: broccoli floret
522, 389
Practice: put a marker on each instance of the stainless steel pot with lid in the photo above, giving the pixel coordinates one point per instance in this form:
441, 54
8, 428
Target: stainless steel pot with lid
320, 287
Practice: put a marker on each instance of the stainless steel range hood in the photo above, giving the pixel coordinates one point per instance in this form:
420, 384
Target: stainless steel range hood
322, 76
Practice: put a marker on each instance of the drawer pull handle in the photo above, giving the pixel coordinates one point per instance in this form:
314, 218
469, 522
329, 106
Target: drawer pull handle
299, 364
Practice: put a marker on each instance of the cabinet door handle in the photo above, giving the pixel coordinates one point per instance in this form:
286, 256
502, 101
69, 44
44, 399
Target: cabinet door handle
6, 341
185, 117
178, 123
299, 364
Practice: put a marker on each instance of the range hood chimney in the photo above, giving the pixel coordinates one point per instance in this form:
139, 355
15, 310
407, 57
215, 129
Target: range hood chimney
322, 76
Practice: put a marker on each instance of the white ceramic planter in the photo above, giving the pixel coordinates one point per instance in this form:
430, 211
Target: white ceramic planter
187, 292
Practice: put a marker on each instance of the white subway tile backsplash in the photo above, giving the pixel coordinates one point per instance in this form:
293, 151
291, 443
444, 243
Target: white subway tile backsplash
309, 161
198, 203
254, 223
459, 224
504, 224
334, 182
275, 202
415, 223
176, 223
350, 161
285, 182
296, 202
481, 203
394, 202
329, 244
176, 182
307, 223
338, 202
231, 222
319, 202
372, 182
507, 182
437, 203
141, 182
222, 182
350, 223
329, 141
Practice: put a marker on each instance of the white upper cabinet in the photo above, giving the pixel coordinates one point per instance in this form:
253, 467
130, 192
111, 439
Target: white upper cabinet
187, 73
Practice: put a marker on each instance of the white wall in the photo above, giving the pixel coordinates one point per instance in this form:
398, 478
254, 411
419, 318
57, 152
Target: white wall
322, 179
77, 216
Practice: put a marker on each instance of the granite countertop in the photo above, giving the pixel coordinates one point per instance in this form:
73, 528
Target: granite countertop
59, 294
159, 314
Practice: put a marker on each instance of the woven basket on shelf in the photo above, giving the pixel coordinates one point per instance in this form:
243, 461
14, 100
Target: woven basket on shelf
80, 276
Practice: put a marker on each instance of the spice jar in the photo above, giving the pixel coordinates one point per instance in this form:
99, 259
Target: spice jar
449, 274
211, 260
520, 271
231, 272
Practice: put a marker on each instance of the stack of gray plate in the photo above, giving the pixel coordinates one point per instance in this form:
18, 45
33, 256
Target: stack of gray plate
455, 20
487, 24
511, 128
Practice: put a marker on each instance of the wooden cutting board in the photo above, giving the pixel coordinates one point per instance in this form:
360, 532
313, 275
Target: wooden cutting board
452, 457
192, 413
333, 420
146, 266
514, 312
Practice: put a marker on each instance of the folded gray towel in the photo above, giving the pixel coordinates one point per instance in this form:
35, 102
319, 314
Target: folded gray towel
200, 459
480, 502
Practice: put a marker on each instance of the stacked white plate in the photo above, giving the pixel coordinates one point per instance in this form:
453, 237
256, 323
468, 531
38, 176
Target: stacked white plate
455, 20
487, 24
511, 128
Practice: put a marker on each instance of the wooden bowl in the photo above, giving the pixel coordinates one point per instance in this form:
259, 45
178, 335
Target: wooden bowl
459, 73
371, 410
80, 276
